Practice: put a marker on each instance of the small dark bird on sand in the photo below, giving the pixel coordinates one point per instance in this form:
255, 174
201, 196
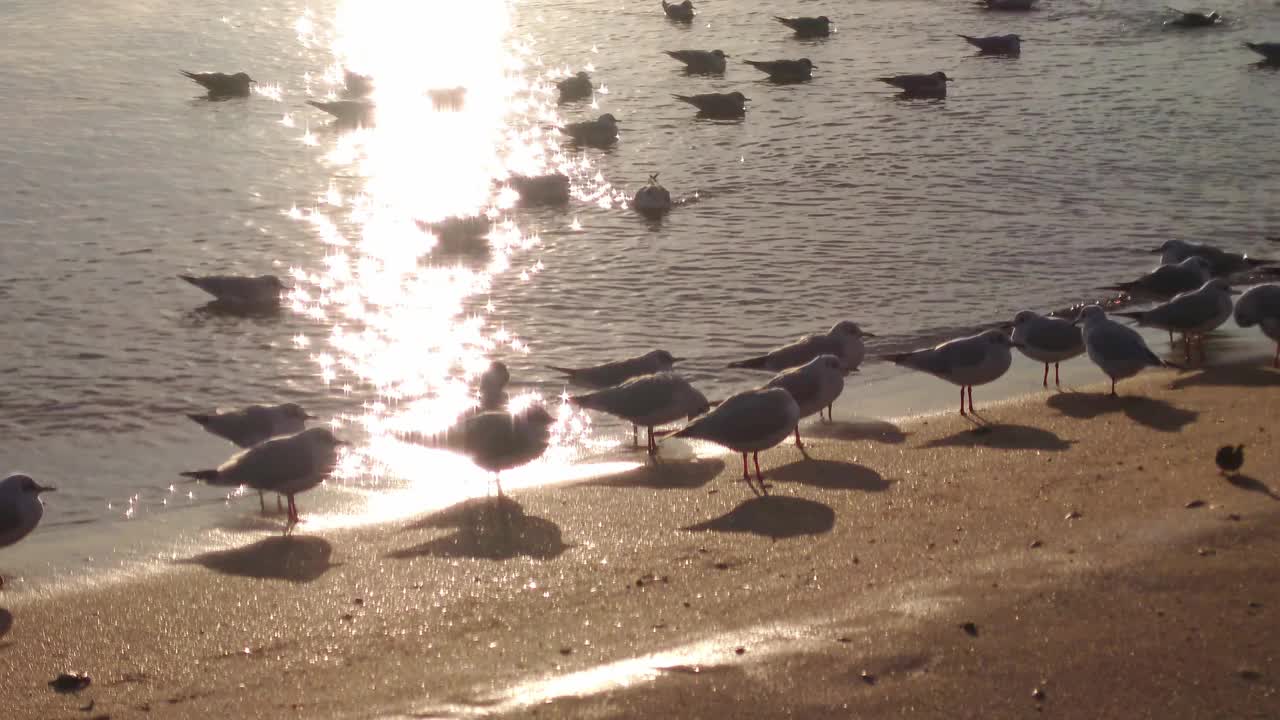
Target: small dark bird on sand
1229, 459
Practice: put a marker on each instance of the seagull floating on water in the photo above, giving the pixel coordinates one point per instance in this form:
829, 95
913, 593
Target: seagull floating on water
575, 87
933, 85
459, 233
844, 340
20, 509
747, 423
1193, 19
652, 200
262, 291
814, 386
348, 112
785, 70
1046, 339
807, 27
1008, 5
222, 85
257, 423
601, 132
680, 12
1261, 306
967, 361
996, 44
551, 189
1168, 280
649, 401
619, 371
717, 105
286, 465
1119, 351
501, 440
1270, 51
358, 85
1222, 262
1191, 313
707, 62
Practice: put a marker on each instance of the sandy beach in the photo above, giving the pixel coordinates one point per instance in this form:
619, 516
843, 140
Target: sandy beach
1081, 557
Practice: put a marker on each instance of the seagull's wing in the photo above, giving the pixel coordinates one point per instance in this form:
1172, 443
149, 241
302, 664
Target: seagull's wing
740, 419
804, 386
268, 465
1185, 310
489, 434
635, 398
965, 352
1114, 340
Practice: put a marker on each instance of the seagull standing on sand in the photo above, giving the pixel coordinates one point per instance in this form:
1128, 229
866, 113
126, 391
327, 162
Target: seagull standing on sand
783, 71
254, 424
808, 27
1261, 306
608, 374
1270, 51
239, 290
575, 87
814, 386
601, 132
967, 361
1222, 262
996, 44
20, 509
844, 340
347, 112
648, 400
500, 440
680, 12
1118, 350
652, 200
1047, 340
1192, 313
933, 85
1168, 280
717, 105
222, 85
1193, 19
493, 386
286, 465
706, 62
747, 423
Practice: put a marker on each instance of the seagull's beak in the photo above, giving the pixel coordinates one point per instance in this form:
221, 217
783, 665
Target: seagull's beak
676, 360
309, 416
45, 489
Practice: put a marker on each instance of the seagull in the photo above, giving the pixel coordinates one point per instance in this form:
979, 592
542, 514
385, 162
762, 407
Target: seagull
598, 377
447, 98
1270, 51
1191, 313
1047, 340
680, 12
358, 85
1118, 350
652, 200
814, 386
499, 440
575, 87
931, 85
20, 509
707, 62
254, 424
1261, 306
348, 112
967, 361
601, 132
844, 340
717, 105
996, 44
459, 233
240, 290
1193, 19
287, 465
648, 400
807, 27
1168, 280
785, 70
222, 85
1223, 262
747, 423
1015, 5
551, 189
493, 386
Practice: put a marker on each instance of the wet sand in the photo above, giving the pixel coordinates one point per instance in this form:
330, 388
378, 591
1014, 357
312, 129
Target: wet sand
1082, 547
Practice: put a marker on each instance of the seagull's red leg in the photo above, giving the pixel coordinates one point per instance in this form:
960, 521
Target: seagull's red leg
971, 410
1046, 374
653, 447
746, 474
1276, 361
1056, 380
962, 400
1113, 388
764, 489
635, 436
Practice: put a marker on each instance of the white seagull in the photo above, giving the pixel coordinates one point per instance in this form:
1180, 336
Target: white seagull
501, 440
1168, 280
648, 400
608, 374
1047, 340
1191, 313
706, 62
996, 44
1222, 262
243, 291
844, 340
601, 132
747, 423
1261, 306
967, 361
814, 386
1118, 350
652, 200
20, 509
249, 426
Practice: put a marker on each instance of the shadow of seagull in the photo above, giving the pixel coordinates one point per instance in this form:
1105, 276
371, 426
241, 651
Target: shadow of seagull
877, 430
773, 517
1003, 437
831, 475
1230, 376
487, 529
1155, 414
293, 558
667, 475
1244, 482
6, 622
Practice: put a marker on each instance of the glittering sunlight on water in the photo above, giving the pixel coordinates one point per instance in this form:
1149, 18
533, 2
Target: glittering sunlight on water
405, 297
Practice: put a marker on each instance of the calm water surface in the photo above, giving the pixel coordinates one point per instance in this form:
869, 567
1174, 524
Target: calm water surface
1034, 183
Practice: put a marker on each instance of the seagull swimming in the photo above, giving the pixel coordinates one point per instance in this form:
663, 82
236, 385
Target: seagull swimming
996, 44
1014, 5
844, 340
933, 85
814, 386
20, 509
459, 233
260, 291
807, 27
601, 132
747, 423
706, 62
1270, 51
1261, 306
1191, 313
1119, 351
358, 85
785, 70
551, 189
1193, 19
222, 85
501, 440
648, 400
680, 12
608, 374
286, 465
1047, 340
652, 200
575, 87
249, 426
347, 112
1222, 262
967, 361
717, 105
1168, 280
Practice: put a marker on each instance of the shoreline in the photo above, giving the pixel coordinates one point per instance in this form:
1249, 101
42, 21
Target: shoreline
621, 596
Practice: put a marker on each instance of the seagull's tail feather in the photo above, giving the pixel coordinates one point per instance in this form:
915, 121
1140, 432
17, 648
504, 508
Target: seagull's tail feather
1123, 287
201, 418
586, 401
194, 281
782, 20
562, 370
685, 98
970, 38
201, 475
896, 358
1132, 315
192, 76
755, 363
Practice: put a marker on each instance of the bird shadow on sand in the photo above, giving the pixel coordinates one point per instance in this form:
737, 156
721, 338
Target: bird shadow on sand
1155, 414
1229, 376
6, 623
664, 475
1244, 482
293, 558
1003, 437
831, 475
877, 430
773, 517
487, 529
